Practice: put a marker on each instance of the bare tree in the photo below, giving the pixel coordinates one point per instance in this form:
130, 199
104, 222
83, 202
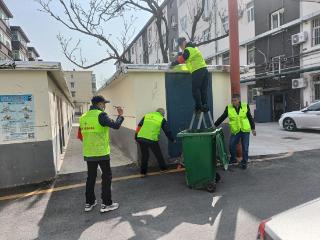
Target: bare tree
196, 12
156, 9
89, 21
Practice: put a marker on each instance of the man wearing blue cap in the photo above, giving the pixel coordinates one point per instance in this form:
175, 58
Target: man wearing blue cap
94, 134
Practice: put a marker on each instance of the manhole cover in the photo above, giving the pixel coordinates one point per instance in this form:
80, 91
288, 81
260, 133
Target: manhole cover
291, 138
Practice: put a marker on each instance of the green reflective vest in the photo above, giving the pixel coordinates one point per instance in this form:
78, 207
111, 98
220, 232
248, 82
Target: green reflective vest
238, 122
95, 137
195, 60
151, 126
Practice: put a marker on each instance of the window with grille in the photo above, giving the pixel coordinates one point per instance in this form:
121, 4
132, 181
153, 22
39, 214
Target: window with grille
225, 58
184, 23
250, 11
316, 32
225, 24
206, 35
316, 82
250, 54
276, 19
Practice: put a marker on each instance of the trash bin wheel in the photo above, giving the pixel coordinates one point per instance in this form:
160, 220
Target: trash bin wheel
211, 187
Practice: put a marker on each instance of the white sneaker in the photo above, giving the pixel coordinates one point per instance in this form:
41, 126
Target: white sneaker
88, 207
112, 207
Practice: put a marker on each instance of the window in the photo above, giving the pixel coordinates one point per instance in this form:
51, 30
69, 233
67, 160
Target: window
276, 19
132, 50
250, 54
174, 44
73, 93
173, 22
140, 42
72, 84
316, 31
316, 82
150, 34
206, 35
15, 36
250, 11
225, 24
16, 54
1, 37
183, 23
225, 58
252, 94
72, 76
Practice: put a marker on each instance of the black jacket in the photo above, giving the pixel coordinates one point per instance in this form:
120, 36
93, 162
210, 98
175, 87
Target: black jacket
225, 115
105, 121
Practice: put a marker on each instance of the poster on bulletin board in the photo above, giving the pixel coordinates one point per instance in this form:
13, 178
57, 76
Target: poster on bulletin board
17, 118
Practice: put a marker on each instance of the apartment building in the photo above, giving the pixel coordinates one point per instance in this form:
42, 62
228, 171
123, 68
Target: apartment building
80, 85
309, 38
33, 54
19, 44
94, 85
279, 43
5, 33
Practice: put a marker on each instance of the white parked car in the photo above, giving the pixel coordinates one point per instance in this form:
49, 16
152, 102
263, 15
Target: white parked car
299, 223
307, 118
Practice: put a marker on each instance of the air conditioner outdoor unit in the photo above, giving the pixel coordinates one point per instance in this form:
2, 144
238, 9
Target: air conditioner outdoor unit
299, 38
256, 92
299, 83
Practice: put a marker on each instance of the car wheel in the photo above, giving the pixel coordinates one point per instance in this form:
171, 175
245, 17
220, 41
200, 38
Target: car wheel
289, 124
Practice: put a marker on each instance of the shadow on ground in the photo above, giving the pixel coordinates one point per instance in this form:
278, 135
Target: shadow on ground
162, 207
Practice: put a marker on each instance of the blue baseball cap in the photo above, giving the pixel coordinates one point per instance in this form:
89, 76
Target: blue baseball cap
99, 99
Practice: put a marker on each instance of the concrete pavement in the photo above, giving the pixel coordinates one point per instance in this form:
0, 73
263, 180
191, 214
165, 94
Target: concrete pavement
162, 207
73, 159
271, 139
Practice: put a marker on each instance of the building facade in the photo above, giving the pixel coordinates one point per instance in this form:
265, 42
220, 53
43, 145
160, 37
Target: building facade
80, 85
5, 32
35, 122
33, 54
19, 44
279, 43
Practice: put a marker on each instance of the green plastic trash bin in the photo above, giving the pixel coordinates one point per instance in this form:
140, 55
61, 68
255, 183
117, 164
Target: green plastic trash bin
199, 153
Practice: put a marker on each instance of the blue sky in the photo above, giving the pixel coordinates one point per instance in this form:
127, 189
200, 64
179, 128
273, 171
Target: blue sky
42, 31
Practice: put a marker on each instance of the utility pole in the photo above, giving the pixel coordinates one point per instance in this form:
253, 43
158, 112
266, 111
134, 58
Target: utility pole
234, 46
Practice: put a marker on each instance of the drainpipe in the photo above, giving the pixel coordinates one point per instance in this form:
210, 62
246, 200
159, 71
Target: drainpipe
234, 46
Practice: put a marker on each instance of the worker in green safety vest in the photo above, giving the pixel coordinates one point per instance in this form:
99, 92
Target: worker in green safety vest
147, 136
197, 66
241, 124
94, 134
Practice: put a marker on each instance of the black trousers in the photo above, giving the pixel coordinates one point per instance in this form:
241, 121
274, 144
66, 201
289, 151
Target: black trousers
106, 178
155, 148
200, 81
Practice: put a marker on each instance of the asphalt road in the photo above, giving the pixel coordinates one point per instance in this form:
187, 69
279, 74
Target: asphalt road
162, 207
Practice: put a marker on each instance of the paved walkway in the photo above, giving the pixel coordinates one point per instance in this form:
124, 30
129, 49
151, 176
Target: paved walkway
271, 139
73, 160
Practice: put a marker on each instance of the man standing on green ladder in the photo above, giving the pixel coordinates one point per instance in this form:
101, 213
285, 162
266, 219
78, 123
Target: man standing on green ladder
147, 136
241, 124
94, 134
197, 66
